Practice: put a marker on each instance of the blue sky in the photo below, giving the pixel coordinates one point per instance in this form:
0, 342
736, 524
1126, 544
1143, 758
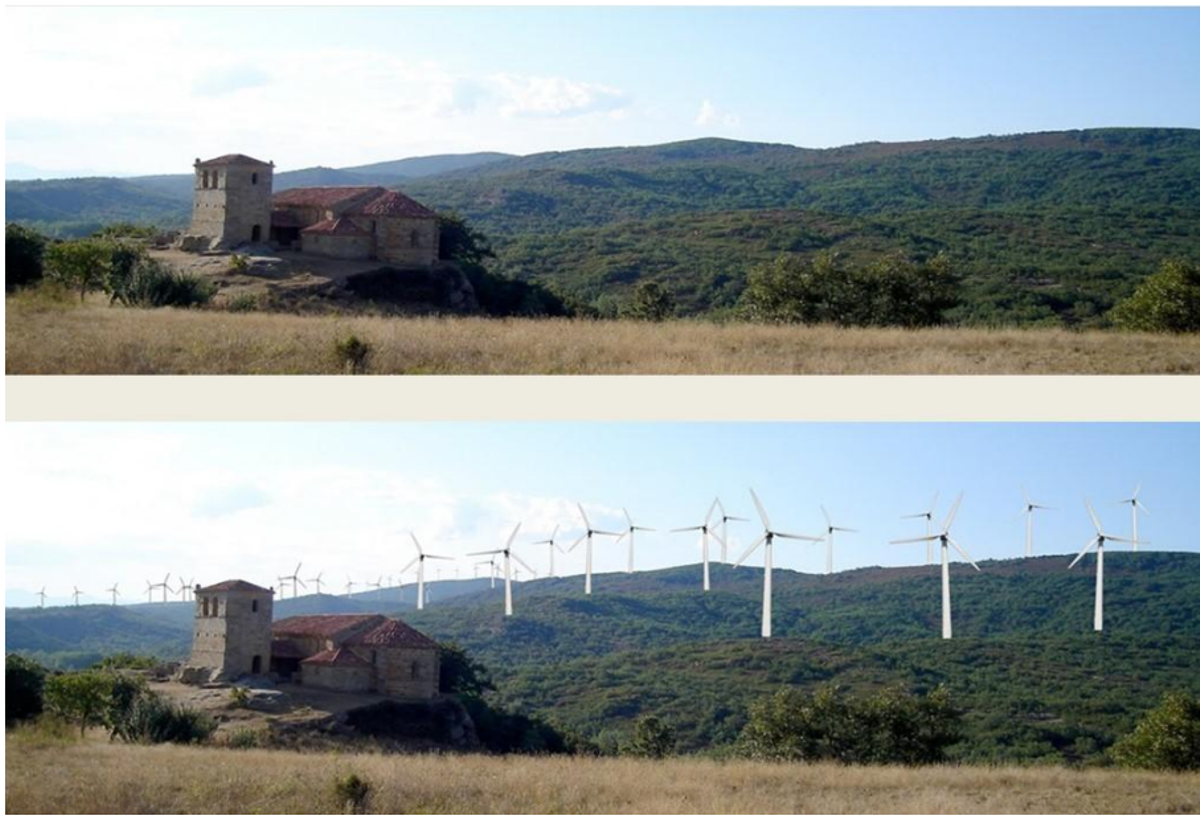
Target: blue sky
94, 504
128, 90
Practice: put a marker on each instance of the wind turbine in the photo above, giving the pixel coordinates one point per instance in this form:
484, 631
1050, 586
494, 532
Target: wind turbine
349, 587
149, 591
508, 556
42, 598
76, 595
551, 547
1030, 507
629, 531
377, 584
587, 536
705, 530
947, 542
1135, 505
1098, 543
829, 531
114, 592
317, 581
296, 582
491, 562
420, 562
185, 588
723, 525
928, 516
768, 538
165, 585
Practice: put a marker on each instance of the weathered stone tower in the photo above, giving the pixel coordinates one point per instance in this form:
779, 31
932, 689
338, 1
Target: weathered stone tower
231, 204
232, 632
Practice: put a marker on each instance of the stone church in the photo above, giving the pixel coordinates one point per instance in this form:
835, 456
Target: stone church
234, 636
233, 205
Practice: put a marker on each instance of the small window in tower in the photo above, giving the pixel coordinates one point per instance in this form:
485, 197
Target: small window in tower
216, 607
206, 607
254, 606
414, 239
254, 178
204, 183
216, 178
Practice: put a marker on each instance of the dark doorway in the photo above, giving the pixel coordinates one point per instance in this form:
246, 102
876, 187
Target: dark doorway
256, 665
256, 233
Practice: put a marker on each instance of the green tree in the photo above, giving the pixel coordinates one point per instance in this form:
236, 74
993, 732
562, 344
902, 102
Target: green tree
81, 265
651, 302
652, 738
1166, 739
459, 241
24, 681
123, 260
23, 252
460, 673
80, 697
1167, 301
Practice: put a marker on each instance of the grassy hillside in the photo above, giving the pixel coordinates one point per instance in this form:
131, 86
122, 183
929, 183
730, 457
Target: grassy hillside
1046, 228
1035, 682
98, 776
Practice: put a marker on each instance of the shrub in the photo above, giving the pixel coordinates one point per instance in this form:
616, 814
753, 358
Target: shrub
1167, 301
239, 697
123, 261
352, 792
352, 353
459, 673
150, 719
890, 727
153, 284
244, 738
650, 302
23, 252
245, 302
80, 265
126, 660
1166, 739
79, 697
238, 263
24, 682
652, 738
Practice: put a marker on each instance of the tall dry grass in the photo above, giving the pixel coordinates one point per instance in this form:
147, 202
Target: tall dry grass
100, 777
94, 338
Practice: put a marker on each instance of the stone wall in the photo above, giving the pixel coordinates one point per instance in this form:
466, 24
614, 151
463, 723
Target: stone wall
405, 241
336, 678
407, 673
351, 247
232, 634
236, 200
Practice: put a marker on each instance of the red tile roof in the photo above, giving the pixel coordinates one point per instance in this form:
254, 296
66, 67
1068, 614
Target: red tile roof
393, 633
231, 158
341, 227
323, 626
235, 586
394, 204
322, 196
337, 657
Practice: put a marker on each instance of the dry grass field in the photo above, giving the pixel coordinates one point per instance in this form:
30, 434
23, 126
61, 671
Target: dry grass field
96, 776
60, 338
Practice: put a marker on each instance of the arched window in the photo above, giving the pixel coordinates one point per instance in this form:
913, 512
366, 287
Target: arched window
256, 665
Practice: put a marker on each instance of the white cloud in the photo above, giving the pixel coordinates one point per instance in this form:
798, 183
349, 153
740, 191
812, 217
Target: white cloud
709, 116
555, 96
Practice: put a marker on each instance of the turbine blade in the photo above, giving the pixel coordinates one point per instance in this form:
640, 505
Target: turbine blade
914, 540
953, 512
508, 544
1143, 508
517, 558
578, 541
1137, 490
409, 565
914, 515
1083, 552
932, 504
485, 552
1125, 540
750, 549
711, 508
586, 523
762, 514
846, 529
1092, 513
416, 543
441, 557
798, 537
686, 529
963, 553
627, 518
825, 513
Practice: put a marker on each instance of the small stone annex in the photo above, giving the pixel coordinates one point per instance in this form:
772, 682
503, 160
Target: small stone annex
234, 636
233, 205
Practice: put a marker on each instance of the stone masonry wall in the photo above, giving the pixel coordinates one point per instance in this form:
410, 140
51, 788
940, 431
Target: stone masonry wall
337, 678
408, 673
406, 241
353, 247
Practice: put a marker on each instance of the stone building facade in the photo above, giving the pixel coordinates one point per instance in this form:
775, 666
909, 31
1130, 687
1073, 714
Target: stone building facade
231, 633
231, 203
363, 653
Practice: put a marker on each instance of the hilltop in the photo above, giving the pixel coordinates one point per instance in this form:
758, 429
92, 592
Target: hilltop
1046, 228
1034, 680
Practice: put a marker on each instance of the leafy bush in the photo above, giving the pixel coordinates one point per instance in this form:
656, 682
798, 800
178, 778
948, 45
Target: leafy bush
352, 792
239, 697
352, 353
1167, 301
81, 698
24, 682
459, 673
244, 738
505, 732
80, 265
893, 291
126, 660
652, 738
238, 263
23, 252
650, 302
126, 231
154, 284
150, 719
889, 727
245, 302
1166, 739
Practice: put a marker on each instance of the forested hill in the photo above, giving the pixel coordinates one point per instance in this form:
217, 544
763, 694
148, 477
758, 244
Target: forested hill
1045, 228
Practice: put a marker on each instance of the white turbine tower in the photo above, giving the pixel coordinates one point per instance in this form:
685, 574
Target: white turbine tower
723, 525
509, 555
1135, 504
112, 590
587, 561
491, 564
349, 587
1098, 544
317, 581
705, 529
947, 542
76, 595
830, 529
928, 516
768, 538
550, 546
295, 581
629, 531
420, 562
42, 598
1030, 508
185, 589
165, 585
